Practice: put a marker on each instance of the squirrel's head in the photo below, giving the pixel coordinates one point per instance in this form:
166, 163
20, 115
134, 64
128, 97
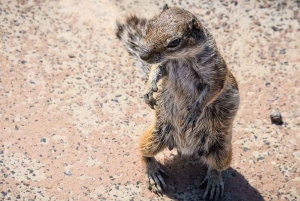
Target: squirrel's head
173, 34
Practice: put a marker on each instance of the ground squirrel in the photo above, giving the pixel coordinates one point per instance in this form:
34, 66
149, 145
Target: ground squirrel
197, 96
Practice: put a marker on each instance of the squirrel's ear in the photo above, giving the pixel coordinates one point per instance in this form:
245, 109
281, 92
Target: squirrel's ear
165, 7
195, 25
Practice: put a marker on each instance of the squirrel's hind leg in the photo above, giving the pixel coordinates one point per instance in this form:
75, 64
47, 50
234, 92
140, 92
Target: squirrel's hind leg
218, 157
150, 144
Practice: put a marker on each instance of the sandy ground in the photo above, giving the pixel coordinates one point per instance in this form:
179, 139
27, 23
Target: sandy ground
71, 107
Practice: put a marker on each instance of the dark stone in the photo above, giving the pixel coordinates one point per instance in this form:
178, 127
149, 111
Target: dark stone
274, 28
260, 158
115, 100
67, 173
43, 140
282, 51
276, 117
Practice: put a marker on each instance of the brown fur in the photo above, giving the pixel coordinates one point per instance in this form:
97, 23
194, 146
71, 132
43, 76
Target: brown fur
197, 96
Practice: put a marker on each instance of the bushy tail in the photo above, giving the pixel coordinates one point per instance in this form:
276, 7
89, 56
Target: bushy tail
131, 33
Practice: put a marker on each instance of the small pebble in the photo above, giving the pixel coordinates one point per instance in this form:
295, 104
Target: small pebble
276, 117
43, 140
260, 158
282, 51
68, 173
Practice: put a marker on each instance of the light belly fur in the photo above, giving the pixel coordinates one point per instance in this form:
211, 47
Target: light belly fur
182, 88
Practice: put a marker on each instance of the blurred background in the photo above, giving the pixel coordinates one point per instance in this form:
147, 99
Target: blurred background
71, 107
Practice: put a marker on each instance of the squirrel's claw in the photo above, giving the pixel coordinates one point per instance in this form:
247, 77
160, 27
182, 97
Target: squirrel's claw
148, 95
149, 99
155, 182
154, 88
214, 187
203, 184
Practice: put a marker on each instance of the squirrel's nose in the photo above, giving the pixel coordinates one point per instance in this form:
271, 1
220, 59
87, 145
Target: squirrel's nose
144, 55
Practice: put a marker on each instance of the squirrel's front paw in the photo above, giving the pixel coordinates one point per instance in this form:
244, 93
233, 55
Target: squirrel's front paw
191, 118
148, 96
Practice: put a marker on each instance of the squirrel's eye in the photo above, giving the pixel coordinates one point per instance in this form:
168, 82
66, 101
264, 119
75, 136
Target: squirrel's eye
174, 43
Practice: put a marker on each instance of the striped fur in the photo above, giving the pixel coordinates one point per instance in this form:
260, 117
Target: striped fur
195, 84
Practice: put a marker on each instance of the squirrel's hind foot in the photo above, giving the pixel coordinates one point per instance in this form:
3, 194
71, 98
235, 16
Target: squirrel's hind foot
213, 184
153, 177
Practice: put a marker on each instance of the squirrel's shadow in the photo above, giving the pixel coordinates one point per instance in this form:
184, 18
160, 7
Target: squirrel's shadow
185, 176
